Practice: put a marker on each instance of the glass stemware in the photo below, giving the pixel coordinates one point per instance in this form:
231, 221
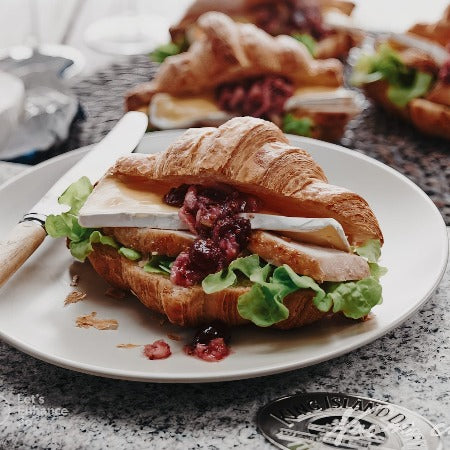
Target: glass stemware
127, 33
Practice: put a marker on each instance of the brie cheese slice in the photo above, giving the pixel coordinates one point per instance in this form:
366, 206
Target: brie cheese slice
336, 100
116, 204
168, 112
111, 196
325, 232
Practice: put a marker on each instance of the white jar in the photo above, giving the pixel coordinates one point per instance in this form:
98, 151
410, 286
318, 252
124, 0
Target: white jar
12, 98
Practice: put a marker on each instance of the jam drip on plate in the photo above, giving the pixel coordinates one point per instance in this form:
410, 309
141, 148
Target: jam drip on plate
158, 350
262, 97
210, 343
211, 213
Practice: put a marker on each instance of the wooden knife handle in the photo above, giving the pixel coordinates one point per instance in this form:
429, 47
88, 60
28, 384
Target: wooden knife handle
21, 243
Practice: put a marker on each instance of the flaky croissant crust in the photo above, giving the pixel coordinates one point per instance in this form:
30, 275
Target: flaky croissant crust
191, 306
243, 9
438, 32
229, 51
255, 156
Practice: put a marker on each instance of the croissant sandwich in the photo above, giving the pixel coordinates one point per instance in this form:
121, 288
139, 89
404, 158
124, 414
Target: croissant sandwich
411, 82
237, 70
231, 224
438, 32
302, 19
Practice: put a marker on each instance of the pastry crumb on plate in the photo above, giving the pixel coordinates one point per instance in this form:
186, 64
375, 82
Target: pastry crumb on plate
74, 297
90, 320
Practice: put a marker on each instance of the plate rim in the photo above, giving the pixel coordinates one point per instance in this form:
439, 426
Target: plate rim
232, 374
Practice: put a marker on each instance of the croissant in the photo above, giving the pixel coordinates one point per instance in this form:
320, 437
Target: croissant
430, 113
229, 51
254, 156
191, 306
331, 44
438, 32
228, 56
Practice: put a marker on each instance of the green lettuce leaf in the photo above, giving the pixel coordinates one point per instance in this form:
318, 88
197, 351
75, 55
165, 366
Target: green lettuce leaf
402, 95
159, 264
384, 64
66, 224
377, 271
371, 250
129, 253
355, 298
81, 249
76, 195
164, 51
249, 266
294, 125
263, 303
405, 83
387, 62
307, 40
261, 307
291, 282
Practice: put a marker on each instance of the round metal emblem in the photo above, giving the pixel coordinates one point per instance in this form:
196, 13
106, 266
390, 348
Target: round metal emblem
331, 421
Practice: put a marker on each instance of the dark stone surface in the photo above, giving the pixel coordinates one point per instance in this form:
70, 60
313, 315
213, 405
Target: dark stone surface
410, 366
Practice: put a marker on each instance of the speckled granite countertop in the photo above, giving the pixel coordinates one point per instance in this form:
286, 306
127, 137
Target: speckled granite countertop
45, 407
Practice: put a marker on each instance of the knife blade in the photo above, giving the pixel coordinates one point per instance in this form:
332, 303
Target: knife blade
28, 234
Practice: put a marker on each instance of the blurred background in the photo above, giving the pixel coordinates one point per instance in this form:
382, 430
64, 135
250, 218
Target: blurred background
66, 66
66, 21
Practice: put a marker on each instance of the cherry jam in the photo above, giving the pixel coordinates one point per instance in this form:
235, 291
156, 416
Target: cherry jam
210, 342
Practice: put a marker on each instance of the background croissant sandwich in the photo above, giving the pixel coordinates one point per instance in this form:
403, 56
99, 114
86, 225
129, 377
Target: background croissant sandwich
438, 32
237, 70
410, 83
302, 19
214, 228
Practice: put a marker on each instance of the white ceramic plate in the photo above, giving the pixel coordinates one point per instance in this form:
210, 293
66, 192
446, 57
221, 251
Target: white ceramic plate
33, 318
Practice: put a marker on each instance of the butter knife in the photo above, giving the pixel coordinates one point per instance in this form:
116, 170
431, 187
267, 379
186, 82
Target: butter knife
29, 233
